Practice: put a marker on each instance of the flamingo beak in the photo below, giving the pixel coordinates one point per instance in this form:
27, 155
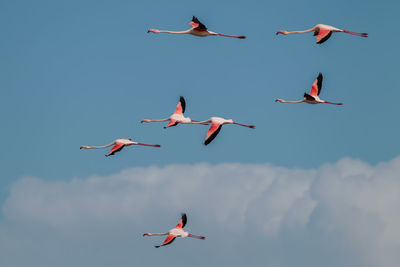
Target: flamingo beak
279, 32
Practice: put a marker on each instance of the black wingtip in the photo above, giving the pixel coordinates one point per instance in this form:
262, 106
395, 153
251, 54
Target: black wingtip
157, 246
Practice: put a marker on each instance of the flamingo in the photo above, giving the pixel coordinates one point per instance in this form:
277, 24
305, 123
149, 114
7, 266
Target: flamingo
176, 117
216, 125
198, 29
118, 145
313, 96
323, 32
175, 232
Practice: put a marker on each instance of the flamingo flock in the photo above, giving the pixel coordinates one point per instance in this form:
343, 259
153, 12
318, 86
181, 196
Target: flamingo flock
323, 33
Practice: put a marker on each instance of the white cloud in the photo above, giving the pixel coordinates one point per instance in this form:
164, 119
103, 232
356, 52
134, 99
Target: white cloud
343, 214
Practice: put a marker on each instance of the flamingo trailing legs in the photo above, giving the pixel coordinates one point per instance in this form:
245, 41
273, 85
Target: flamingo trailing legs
313, 96
118, 145
198, 29
175, 232
323, 32
216, 125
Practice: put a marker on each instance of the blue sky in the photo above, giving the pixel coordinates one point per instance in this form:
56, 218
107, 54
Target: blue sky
86, 72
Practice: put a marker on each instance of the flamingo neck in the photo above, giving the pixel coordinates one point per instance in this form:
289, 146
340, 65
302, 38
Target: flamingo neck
298, 101
174, 32
305, 31
94, 147
150, 234
146, 120
201, 122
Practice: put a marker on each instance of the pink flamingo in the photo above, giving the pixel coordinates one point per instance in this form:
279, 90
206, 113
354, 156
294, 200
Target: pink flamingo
118, 145
216, 125
313, 96
177, 117
323, 32
175, 232
198, 29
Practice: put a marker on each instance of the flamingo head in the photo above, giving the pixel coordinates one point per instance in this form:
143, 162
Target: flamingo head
281, 32
279, 100
153, 31
145, 120
84, 147
146, 234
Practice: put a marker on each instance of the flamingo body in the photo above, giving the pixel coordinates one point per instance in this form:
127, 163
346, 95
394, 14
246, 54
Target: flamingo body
198, 29
175, 232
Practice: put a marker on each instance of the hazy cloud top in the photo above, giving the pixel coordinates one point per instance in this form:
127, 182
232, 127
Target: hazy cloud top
343, 214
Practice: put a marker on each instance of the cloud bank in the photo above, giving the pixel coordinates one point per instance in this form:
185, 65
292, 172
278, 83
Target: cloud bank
342, 214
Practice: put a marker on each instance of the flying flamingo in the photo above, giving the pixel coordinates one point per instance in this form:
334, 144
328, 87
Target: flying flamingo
175, 232
177, 116
323, 32
216, 125
118, 145
313, 96
198, 29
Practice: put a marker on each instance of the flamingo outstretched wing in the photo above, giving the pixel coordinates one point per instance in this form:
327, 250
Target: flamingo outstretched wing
116, 148
182, 222
323, 35
180, 108
196, 24
316, 86
171, 123
212, 132
167, 241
